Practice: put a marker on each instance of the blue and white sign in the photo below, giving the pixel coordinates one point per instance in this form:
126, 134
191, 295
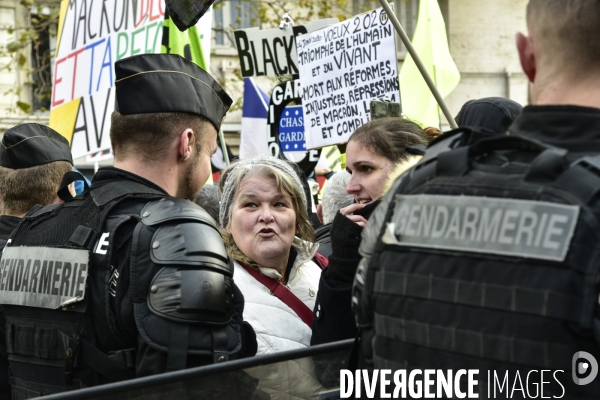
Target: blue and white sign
291, 130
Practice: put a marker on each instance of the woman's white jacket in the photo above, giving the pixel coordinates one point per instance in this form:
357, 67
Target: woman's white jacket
277, 326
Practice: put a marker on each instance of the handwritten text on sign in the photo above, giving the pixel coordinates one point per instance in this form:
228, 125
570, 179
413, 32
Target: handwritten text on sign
342, 68
94, 35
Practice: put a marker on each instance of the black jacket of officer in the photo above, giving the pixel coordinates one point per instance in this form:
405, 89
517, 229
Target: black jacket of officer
484, 257
129, 279
33, 160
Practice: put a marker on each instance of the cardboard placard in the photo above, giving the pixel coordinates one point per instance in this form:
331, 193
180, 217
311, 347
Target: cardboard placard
342, 68
93, 35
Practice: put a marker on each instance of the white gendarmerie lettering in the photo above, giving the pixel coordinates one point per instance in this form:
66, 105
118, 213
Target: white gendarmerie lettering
42, 276
485, 225
102, 244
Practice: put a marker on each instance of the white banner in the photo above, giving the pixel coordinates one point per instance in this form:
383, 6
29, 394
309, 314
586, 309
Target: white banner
342, 68
93, 35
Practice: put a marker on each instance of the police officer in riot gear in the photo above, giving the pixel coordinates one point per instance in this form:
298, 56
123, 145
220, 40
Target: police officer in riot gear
484, 256
33, 161
129, 279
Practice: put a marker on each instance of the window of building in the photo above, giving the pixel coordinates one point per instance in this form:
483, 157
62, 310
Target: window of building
229, 15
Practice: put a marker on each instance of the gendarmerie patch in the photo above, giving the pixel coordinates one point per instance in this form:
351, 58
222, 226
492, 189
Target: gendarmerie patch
43, 277
510, 227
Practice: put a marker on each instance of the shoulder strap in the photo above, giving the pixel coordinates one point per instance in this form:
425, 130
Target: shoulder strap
581, 178
455, 162
283, 294
321, 260
108, 191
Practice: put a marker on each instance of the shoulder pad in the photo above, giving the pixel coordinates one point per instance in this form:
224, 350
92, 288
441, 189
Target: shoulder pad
427, 167
172, 209
190, 243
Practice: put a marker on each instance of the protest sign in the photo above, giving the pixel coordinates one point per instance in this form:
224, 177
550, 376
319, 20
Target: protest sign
100, 155
283, 98
272, 52
92, 36
291, 130
342, 68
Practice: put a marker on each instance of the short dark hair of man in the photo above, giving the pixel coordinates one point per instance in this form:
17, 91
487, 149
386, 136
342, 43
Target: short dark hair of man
567, 32
208, 198
150, 135
25, 187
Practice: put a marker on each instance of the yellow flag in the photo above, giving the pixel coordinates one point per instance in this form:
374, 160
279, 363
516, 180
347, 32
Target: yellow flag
431, 44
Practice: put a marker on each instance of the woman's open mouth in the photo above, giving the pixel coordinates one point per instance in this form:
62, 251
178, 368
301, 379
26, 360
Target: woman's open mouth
266, 232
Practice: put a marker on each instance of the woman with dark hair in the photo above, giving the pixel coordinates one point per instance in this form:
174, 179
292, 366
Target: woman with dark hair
376, 153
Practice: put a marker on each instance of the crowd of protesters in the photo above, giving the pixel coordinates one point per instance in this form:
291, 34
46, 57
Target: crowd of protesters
274, 279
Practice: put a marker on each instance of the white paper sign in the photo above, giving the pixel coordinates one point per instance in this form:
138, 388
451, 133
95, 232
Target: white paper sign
93, 36
342, 68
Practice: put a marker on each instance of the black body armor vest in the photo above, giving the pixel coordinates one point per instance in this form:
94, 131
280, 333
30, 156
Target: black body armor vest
489, 259
56, 277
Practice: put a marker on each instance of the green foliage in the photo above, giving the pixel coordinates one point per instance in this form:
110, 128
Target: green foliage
25, 107
29, 51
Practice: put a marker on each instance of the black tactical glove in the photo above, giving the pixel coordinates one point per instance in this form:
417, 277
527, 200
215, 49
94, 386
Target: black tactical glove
345, 240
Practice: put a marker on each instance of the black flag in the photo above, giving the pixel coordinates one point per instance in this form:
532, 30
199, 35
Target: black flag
185, 13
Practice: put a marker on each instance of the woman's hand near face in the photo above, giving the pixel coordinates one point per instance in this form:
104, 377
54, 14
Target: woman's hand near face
349, 213
369, 173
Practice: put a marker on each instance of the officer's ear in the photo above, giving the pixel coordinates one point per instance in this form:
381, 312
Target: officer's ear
187, 140
525, 46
